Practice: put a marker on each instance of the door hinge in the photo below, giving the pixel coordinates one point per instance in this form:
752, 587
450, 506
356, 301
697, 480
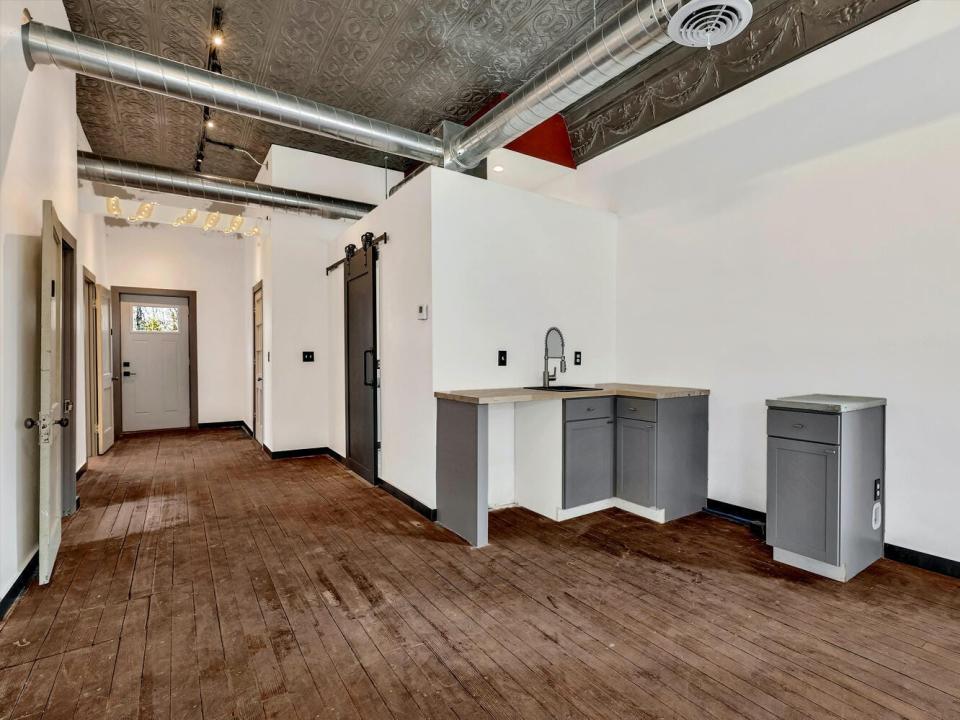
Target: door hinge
53, 288
378, 445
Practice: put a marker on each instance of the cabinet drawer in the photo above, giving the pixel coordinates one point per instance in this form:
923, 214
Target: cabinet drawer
810, 426
588, 408
637, 409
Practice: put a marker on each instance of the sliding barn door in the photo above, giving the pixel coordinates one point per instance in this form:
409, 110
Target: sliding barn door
51, 417
360, 326
105, 369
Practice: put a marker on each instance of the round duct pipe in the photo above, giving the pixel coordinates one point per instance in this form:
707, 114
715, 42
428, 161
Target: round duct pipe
636, 32
154, 178
89, 56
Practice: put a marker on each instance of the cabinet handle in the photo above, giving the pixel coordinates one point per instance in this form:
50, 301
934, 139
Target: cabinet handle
799, 426
632, 409
589, 409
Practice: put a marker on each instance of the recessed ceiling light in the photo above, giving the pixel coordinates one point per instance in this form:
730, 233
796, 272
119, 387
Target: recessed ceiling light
498, 168
217, 39
210, 124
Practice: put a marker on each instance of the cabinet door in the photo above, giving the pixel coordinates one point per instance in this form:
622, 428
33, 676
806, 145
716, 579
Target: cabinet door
588, 447
803, 498
637, 461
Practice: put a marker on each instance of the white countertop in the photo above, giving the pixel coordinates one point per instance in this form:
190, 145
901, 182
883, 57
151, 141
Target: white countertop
826, 403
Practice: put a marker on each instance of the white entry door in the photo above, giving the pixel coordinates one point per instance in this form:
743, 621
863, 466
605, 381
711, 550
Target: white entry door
105, 370
155, 362
51, 418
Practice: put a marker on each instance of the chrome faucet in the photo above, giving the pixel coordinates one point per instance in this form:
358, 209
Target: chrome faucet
551, 352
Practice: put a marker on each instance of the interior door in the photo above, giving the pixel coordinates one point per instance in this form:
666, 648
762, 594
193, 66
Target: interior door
258, 364
360, 327
51, 418
155, 362
105, 422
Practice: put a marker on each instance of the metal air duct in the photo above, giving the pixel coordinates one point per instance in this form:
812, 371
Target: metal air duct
633, 34
43, 44
154, 178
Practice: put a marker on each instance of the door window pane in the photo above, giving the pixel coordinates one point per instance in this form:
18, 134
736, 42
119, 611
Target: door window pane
150, 318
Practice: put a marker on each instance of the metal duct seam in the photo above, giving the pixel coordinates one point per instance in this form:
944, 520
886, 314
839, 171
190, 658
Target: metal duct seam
89, 56
633, 34
153, 178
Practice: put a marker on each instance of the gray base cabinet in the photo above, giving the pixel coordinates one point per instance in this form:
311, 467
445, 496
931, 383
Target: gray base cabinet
649, 452
825, 488
588, 446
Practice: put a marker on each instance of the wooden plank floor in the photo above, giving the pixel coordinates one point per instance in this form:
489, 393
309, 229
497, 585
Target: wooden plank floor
200, 579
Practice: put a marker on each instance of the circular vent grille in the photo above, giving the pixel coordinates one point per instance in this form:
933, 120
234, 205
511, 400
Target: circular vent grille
704, 23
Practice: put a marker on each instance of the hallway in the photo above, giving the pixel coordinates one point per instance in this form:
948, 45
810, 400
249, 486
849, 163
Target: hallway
200, 579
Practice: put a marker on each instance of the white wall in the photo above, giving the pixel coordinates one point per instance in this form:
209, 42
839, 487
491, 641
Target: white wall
39, 136
327, 175
212, 264
507, 265
802, 234
407, 407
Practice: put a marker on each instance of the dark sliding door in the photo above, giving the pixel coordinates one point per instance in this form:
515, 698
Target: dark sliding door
360, 327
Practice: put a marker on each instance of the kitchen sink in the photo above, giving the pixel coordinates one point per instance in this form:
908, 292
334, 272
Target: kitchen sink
560, 388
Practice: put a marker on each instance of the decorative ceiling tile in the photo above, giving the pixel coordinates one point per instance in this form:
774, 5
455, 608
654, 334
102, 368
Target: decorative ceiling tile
410, 62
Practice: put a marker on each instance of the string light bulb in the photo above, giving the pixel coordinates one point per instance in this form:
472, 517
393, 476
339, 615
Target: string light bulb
252, 232
143, 212
188, 218
113, 206
234, 225
211, 221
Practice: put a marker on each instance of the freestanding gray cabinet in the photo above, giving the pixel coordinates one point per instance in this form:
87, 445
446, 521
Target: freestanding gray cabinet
825, 482
649, 452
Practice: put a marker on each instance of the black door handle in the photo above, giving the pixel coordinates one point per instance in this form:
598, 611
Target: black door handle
62, 422
366, 380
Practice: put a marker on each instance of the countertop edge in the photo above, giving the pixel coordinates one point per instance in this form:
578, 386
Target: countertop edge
510, 395
826, 407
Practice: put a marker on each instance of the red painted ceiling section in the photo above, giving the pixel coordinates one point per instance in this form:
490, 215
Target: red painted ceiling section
548, 141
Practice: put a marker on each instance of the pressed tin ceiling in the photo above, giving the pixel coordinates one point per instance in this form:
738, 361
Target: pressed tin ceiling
410, 62
414, 63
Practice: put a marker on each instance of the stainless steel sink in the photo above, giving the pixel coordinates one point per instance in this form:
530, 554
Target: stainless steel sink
559, 388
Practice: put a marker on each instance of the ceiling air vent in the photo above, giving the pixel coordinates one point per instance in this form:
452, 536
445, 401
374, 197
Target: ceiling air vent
705, 23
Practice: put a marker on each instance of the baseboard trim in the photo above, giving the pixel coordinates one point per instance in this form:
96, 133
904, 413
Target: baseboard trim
221, 424
303, 452
20, 584
81, 471
922, 560
756, 520
428, 512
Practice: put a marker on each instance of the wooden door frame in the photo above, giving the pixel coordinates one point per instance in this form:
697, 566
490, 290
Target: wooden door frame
253, 314
191, 296
91, 337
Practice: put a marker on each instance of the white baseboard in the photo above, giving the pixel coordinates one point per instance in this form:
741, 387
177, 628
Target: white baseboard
818, 567
655, 514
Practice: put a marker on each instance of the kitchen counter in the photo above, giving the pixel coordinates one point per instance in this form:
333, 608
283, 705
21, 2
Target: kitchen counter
826, 403
492, 396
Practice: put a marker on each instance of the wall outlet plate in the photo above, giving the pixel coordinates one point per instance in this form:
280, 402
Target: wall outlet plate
308, 355
423, 312
577, 358
502, 358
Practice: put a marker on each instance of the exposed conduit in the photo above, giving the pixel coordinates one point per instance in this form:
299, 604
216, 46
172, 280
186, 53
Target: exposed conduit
89, 56
154, 178
633, 34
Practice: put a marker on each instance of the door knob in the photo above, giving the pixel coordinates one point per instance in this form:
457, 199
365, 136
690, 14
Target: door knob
62, 422
29, 423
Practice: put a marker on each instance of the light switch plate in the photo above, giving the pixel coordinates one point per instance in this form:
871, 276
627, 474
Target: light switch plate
501, 358
423, 312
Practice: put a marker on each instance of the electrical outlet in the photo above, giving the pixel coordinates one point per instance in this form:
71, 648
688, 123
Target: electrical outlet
308, 355
502, 358
876, 489
577, 358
